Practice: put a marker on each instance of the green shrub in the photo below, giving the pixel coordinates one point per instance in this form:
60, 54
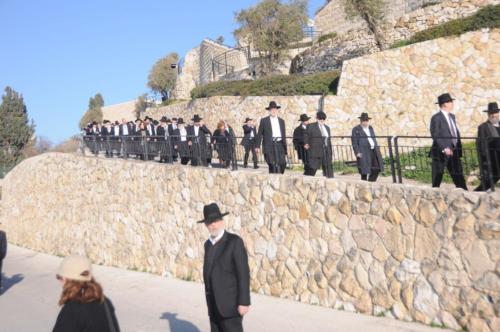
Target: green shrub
486, 17
280, 85
326, 37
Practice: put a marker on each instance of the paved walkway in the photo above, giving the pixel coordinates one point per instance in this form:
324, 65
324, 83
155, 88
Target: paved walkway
152, 303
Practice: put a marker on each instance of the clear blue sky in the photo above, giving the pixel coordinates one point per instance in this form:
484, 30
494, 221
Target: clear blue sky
59, 53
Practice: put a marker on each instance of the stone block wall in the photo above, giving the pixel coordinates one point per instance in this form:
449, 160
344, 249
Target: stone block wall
413, 253
355, 39
407, 25
398, 88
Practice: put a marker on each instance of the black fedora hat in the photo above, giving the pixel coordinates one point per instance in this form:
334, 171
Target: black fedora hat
211, 213
321, 115
272, 105
248, 119
196, 118
364, 117
163, 119
304, 117
492, 108
180, 121
444, 98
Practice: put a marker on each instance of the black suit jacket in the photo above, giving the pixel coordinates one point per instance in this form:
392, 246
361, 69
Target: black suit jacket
122, 130
227, 278
265, 135
247, 138
202, 132
3, 245
315, 140
441, 136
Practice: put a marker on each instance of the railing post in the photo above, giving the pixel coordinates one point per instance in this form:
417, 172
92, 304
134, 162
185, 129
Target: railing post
398, 161
145, 140
391, 159
233, 155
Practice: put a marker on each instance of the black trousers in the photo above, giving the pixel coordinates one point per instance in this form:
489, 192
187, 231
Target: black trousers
326, 166
486, 184
374, 168
276, 168
454, 166
222, 324
249, 149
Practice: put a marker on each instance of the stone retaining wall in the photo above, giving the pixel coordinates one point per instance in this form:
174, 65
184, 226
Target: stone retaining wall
412, 253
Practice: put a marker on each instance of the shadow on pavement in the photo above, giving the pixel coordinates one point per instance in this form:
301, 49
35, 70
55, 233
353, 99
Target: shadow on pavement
8, 282
179, 325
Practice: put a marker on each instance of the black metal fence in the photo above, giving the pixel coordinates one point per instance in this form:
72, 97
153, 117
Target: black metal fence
404, 157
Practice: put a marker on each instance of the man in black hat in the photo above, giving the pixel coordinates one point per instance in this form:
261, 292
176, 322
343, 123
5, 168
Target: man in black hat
3, 253
125, 136
298, 142
446, 149
165, 144
181, 142
272, 136
198, 140
106, 139
226, 274
488, 141
364, 143
319, 147
248, 142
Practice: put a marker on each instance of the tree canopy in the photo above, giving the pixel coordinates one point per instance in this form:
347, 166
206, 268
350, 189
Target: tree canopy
163, 75
372, 12
16, 131
270, 27
94, 111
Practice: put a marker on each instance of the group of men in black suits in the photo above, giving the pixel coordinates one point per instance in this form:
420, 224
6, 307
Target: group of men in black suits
446, 150
312, 141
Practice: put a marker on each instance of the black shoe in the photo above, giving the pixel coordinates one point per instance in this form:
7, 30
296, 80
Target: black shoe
255, 167
245, 165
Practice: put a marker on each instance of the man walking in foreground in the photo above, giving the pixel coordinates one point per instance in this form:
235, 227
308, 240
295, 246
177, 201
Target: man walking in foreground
446, 149
226, 274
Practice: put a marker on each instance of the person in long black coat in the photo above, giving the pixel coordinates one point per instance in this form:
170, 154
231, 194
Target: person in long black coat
488, 141
226, 274
248, 142
223, 142
107, 138
298, 142
318, 145
364, 143
198, 142
273, 141
3, 253
164, 141
446, 149
181, 142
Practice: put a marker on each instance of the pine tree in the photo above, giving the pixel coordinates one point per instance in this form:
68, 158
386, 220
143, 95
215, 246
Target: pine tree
16, 130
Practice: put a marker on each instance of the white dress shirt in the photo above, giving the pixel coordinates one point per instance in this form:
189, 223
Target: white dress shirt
275, 126
196, 130
452, 125
125, 129
324, 133
116, 130
370, 139
183, 133
215, 240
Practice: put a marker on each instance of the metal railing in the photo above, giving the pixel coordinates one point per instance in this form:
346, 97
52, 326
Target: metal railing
403, 157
